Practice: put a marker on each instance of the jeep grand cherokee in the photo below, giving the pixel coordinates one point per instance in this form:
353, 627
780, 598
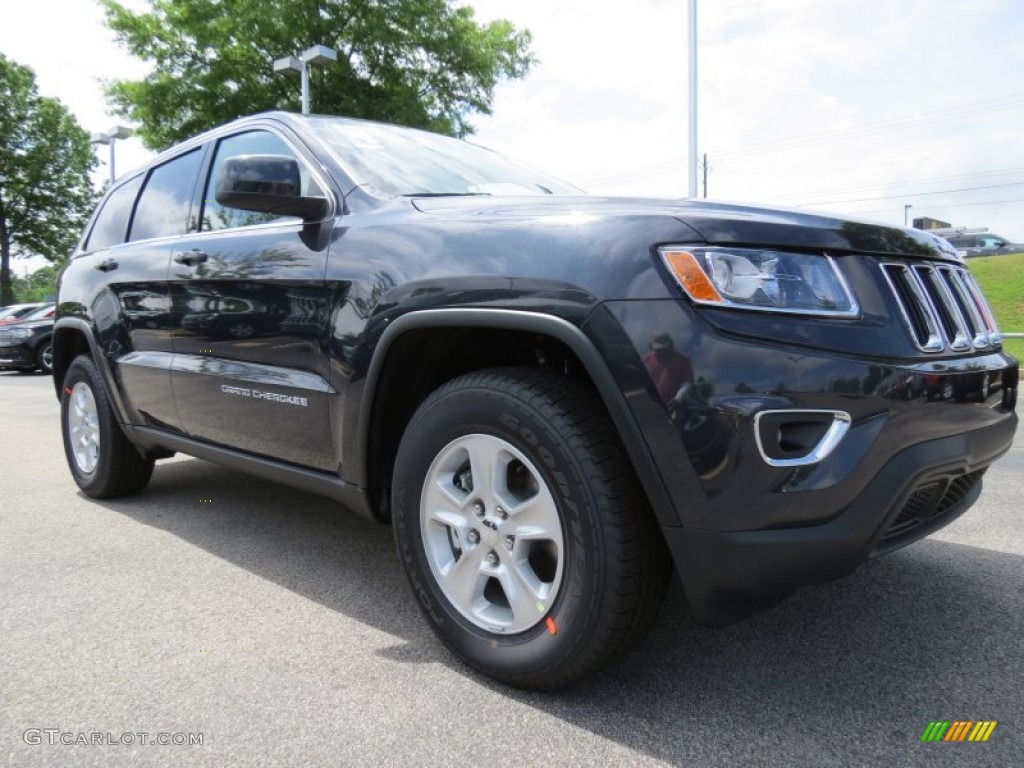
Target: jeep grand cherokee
553, 398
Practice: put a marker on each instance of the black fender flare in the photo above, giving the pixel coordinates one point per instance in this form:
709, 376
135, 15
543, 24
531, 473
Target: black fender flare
542, 324
100, 359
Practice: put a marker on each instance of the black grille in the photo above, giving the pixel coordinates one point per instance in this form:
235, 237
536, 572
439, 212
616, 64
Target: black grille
930, 501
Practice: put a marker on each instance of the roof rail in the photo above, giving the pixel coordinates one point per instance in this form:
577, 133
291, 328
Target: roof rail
957, 231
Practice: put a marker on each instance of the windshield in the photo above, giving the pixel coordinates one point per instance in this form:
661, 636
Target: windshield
403, 161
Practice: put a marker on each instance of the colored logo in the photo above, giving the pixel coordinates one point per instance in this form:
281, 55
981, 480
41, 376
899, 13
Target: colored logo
958, 730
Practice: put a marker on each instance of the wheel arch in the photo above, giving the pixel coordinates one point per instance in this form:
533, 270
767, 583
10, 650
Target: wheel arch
387, 381
72, 337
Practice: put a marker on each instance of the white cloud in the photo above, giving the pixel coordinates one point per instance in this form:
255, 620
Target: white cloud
606, 105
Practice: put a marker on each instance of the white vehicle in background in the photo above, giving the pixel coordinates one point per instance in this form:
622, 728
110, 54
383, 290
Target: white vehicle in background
977, 242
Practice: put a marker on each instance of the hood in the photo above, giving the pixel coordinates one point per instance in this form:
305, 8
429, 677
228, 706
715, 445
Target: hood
716, 223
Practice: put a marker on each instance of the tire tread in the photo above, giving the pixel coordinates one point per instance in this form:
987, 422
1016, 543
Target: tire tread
123, 471
638, 565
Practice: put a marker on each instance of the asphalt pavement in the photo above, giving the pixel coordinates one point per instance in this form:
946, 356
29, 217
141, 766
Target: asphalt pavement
280, 631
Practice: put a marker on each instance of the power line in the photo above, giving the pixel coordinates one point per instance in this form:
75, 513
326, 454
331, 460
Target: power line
909, 183
950, 205
1014, 101
900, 122
916, 194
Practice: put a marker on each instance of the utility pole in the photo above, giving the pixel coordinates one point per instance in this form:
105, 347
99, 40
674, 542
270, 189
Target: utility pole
692, 154
705, 168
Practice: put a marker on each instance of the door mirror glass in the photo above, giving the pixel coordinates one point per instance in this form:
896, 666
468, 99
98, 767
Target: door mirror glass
268, 184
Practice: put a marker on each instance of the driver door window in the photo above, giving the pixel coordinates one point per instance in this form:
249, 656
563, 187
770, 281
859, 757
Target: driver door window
217, 216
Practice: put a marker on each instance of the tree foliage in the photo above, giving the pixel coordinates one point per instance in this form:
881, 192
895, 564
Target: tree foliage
422, 63
40, 285
45, 157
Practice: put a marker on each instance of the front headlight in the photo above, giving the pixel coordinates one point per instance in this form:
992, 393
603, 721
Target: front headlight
774, 281
18, 333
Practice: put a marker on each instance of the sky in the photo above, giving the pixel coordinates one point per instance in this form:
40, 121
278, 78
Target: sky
854, 106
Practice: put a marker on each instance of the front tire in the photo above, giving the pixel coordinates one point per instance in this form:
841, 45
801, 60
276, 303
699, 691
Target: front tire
103, 462
522, 528
44, 357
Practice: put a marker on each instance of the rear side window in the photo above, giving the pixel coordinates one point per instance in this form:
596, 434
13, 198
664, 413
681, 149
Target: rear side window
167, 198
111, 225
217, 216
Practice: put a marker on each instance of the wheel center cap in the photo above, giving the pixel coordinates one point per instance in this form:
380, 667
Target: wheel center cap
489, 532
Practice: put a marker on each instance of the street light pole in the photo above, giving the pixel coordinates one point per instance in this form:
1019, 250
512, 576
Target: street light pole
318, 55
304, 77
111, 136
692, 154
906, 210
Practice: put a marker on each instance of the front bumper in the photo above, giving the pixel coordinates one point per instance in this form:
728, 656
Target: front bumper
744, 532
16, 357
728, 575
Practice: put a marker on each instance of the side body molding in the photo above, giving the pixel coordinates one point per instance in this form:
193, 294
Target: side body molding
544, 325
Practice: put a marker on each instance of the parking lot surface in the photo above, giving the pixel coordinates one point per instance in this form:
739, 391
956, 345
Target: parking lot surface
281, 629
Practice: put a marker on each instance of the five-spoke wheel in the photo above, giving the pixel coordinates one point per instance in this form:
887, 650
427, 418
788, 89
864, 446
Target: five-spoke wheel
103, 462
492, 534
83, 427
522, 528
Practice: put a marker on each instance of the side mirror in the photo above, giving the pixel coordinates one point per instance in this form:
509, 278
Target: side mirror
269, 184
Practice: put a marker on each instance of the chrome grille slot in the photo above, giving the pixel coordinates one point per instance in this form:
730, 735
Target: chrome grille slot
942, 307
951, 319
962, 294
995, 337
915, 307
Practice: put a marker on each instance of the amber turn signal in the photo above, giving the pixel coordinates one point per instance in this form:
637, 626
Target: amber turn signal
683, 265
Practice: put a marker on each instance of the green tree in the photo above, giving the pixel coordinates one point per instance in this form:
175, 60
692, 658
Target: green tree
45, 159
40, 285
422, 63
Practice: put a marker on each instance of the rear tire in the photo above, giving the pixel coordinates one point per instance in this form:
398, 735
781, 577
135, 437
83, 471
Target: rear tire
103, 462
584, 573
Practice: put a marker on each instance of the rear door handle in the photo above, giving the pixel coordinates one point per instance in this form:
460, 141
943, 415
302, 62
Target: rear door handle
107, 265
191, 258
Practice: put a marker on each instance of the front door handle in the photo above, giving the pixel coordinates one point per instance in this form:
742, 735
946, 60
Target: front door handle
107, 265
191, 258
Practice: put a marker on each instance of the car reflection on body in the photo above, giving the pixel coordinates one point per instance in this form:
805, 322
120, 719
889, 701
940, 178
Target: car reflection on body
228, 317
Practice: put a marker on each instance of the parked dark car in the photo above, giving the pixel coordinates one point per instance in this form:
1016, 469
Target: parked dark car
26, 345
553, 398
